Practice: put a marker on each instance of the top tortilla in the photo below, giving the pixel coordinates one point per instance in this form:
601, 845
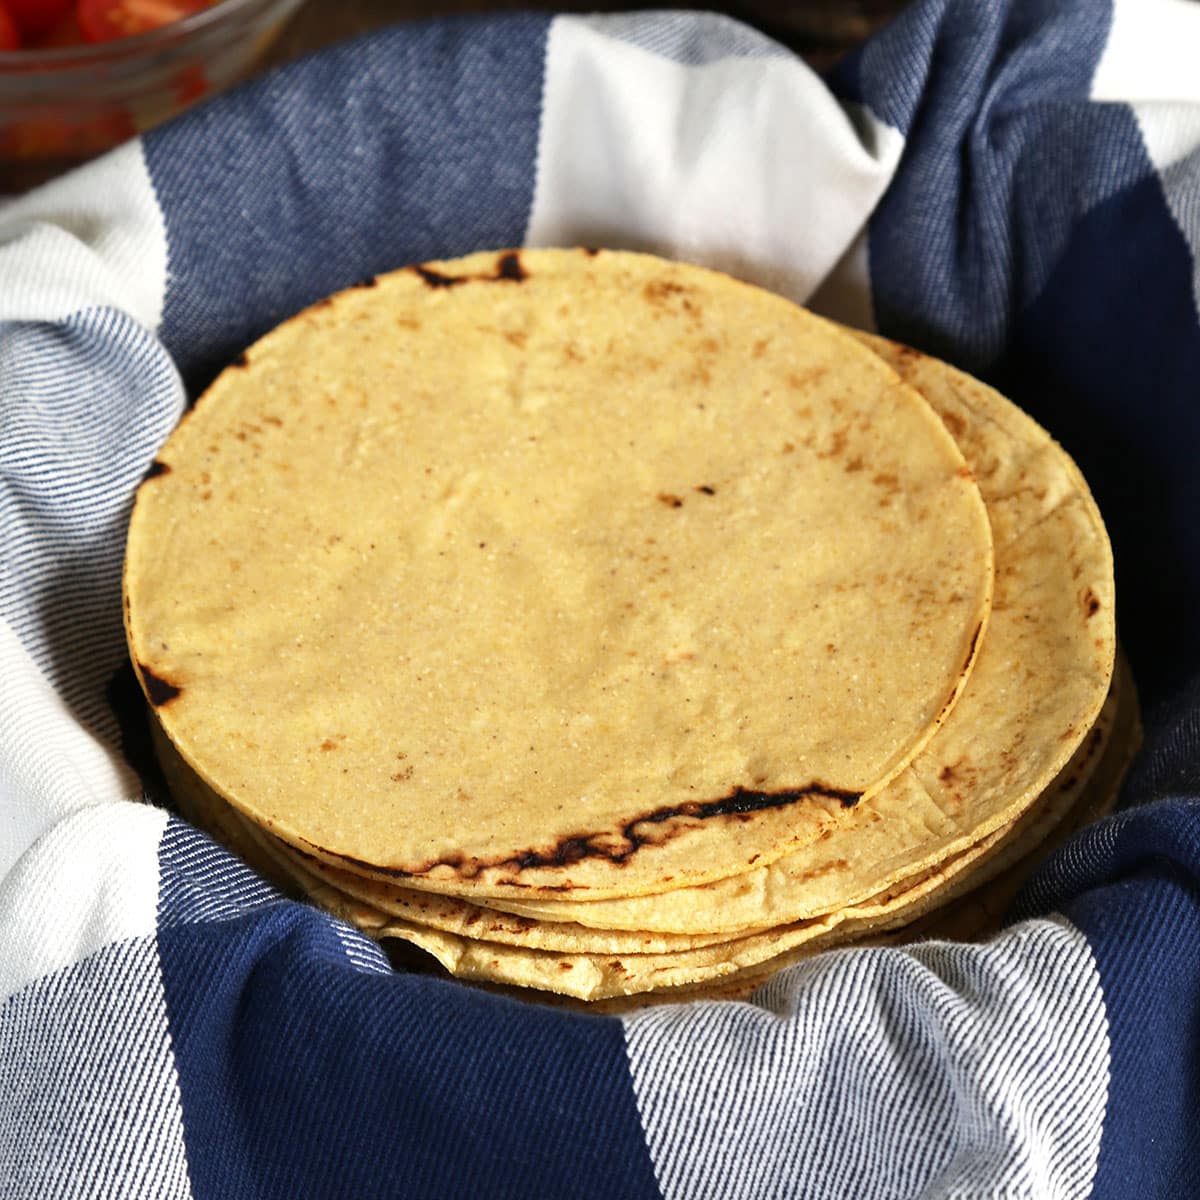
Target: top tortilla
1036, 689
550, 572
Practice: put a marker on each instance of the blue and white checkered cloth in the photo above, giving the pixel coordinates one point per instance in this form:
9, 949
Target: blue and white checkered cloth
1012, 184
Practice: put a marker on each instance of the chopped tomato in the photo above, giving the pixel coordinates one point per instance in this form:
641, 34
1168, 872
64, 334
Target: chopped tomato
66, 32
104, 20
35, 18
10, 38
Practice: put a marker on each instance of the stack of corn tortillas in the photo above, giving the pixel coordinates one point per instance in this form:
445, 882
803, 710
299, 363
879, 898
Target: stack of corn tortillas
609, 627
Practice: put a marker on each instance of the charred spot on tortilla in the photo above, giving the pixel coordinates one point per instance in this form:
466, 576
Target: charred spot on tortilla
437, 279
509, 267
619, 846
159, 691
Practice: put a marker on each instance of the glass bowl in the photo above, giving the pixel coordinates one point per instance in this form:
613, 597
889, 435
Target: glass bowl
61, 106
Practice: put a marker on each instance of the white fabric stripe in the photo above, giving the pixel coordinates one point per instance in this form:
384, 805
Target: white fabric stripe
691, 38
747, 165
91, 1098
100, 865
941, 1070
360, 951
49, 767
1150, 53
203, 882
95, 237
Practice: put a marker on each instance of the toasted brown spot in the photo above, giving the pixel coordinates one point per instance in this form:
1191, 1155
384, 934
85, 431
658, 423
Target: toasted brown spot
1091, 603
240, 361
159, 691
800, 380
329, 744
660, 291
369, 282
590, 251
516, 338
669, 499
954, 423
707, 489
836, 446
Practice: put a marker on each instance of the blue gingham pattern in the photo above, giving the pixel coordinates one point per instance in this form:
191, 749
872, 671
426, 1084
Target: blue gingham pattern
1015, 185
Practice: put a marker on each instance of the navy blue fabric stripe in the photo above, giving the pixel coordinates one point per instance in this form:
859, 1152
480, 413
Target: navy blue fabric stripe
1002, 153
946, 65
1026, 237
1108, 358
417, 143
305, 1073
1132, 885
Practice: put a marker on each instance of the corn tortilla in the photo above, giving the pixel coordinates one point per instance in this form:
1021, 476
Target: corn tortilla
551, 573
1041, 677
593, 975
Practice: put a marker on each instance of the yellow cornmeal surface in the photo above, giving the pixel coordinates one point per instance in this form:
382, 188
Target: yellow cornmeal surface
550, 572
1036, 688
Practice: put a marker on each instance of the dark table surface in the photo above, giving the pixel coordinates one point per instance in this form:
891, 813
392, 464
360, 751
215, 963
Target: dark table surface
821, 30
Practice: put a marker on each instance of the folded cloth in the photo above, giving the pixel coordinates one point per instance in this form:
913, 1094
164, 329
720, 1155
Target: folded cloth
1013, 185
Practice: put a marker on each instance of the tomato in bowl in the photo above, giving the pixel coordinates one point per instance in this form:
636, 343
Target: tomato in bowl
80, 76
